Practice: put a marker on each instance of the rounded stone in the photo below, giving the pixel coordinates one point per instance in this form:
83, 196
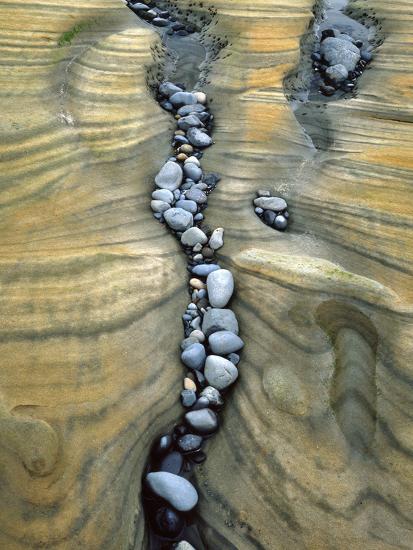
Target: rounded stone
201, 97
337, 73
194, 160
176, 490
186, 149
172, 463
188, 398
196, 195
203, 270
189, 384
188, 109
193, 236
168, 523
219, 372
220, 287
203, 421
178, 219
193, 171
183, 98
184, 545
188, 342
168, 88
216, 319
159, 206
189, 121
170, 176
194, 356
269, 217
163, 195
198, 334
337, 51
189, 206
160, 22
224, 342
217, 239
280, 222
276, 204
161, 445
213, 395
198, 138
189, 443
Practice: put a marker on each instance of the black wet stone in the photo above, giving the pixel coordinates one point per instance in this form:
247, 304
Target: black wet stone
168, 522
269, 217
182, 32
172, 463
161, 445
326, 34
327, 90
189, 443
315, 56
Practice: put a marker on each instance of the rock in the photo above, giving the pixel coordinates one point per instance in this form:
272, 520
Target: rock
189, 443
148, 15
178, 219
280, 222
187, 342
203, 270
183, 98
161, 446
163, 195
190, 109
201, 97
170, 176
168, 88
198, 138
199, 217
224, 342
160, 22
188, 398
366, 56
263, 193
234, 358
269, 217
204, 421
193, 171
168, 522
220, 287
193, 236
195, 194
214, 397
194, 356
186, 148
172, 463
346, 37
219, 319
219, 372
326, 34
258, 211
217, 239
167, 106
211, 179
159, 206
202, 403
197, 283
176, 490
183, 545
340, 52
194, 160
190, 121
198, 334
207, 252
189, 384
276, 204
189, 206
337, 73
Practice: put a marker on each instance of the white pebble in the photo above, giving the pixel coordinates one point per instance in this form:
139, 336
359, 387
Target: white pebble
217, 238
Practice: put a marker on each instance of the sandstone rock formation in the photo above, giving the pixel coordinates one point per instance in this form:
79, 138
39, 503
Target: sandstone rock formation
316, 445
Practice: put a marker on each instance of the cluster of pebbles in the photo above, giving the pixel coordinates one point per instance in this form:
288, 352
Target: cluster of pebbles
271, 209
339, 60
211, 345
160, 18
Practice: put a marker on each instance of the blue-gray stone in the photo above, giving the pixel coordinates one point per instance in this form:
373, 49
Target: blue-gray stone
219, 372
189, 443
190, 121
203, 421
196, 195
176, 490
338, 51
168, 88
213, 395
169, 176
192, 171
190, 206
224, 342
188, 398
163, 195
198, 138
183, 98
203, 270
216, 319
188, 109
194, 356
178, 219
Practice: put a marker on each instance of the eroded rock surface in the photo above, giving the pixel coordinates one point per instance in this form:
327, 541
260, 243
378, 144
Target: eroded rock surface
89, 288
